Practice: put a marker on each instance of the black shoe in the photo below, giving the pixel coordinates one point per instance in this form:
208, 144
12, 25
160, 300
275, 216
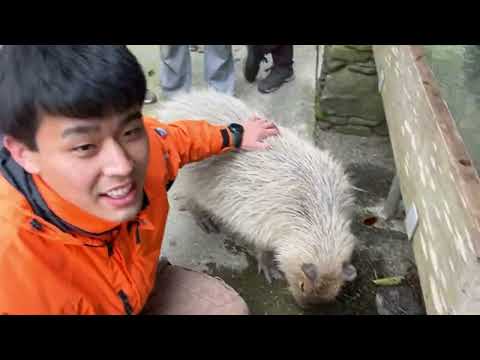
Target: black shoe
150, 98
277, 77
252, 64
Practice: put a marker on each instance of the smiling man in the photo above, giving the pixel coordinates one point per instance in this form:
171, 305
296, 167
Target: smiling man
83, 187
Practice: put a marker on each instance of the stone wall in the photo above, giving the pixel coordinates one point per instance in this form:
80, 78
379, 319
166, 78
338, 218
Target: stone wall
348, 100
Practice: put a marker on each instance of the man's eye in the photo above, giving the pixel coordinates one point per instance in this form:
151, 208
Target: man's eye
134, 132
84, 148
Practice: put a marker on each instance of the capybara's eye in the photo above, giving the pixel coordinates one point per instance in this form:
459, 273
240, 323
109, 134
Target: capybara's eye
302, 286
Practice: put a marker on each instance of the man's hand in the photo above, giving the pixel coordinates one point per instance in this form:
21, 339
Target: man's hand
255, 131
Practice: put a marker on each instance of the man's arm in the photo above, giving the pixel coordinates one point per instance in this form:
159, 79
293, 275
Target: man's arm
190, 141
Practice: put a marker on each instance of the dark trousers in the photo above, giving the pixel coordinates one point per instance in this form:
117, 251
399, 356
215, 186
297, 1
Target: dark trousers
282, 54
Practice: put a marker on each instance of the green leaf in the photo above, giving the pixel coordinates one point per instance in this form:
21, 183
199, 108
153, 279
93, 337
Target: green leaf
390, 281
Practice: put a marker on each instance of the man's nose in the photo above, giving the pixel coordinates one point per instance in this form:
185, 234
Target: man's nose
117, 161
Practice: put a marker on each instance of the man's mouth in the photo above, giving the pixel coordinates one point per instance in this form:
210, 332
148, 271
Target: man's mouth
121, 196
121, 192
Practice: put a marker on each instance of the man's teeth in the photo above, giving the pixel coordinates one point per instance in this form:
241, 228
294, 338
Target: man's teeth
119, 193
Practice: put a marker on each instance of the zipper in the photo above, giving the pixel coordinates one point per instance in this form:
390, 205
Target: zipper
137, 230
138, 233
126, 304
109, 246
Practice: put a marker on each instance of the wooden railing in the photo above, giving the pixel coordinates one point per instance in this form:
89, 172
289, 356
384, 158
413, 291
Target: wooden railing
439, 184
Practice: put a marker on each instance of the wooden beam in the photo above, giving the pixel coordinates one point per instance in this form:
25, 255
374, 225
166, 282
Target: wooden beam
437, 177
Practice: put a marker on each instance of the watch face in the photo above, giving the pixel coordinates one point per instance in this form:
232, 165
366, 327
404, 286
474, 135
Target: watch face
237, 132
237, 128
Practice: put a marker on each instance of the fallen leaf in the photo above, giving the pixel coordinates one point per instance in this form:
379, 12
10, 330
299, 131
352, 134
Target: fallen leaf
390, 281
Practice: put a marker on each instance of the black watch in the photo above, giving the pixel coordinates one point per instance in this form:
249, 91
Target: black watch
237, 134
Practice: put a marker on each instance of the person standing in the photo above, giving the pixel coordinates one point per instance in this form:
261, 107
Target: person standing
176, 72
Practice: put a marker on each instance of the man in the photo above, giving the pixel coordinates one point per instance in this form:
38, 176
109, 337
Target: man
83, 187
280, 72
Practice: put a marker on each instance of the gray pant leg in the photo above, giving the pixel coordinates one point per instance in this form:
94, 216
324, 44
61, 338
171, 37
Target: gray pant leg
219, 69
176, 69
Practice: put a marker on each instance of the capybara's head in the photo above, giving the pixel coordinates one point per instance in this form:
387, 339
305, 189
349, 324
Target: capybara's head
310, 287
317, 272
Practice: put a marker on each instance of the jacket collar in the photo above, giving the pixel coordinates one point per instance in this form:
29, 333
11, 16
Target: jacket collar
76, 219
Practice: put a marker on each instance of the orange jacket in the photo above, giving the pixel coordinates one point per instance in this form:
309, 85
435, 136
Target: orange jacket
57, 259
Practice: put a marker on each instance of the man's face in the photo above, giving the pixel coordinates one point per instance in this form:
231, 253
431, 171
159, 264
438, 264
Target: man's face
97, 164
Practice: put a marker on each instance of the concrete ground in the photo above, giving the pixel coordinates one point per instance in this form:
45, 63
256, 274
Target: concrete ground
383, 249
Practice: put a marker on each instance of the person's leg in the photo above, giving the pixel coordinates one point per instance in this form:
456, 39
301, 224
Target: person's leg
282, 69
176, 69
219, 68
255, 55
179, 291
270, 48
282, 55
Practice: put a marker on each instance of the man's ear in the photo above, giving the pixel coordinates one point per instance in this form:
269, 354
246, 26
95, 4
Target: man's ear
20, 152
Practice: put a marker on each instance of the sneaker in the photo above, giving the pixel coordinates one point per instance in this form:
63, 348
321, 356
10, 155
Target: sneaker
252, 64
150, 97
277, 77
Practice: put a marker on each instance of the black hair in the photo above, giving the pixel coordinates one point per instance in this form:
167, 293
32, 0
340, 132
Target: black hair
78, 81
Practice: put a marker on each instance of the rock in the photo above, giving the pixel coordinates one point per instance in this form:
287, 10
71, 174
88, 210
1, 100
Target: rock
348, 96
370, 62
360, 47
347, 82
368, 107
337, 120
363, 122
334, 65
381, 130
349, 55
324, 125
353, 130
330, 112
363, 69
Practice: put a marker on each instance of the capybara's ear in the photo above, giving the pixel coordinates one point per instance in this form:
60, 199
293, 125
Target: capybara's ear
349, 272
